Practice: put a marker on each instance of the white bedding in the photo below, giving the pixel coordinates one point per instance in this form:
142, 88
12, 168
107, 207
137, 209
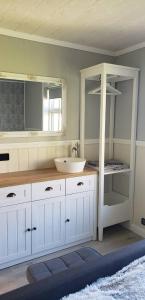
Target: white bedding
127, 284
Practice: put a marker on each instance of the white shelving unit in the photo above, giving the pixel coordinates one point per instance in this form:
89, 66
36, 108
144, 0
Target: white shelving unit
113, 207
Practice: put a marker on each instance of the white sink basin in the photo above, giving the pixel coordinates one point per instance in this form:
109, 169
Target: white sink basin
69, 164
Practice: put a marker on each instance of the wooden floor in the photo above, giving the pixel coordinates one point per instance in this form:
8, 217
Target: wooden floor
114, 238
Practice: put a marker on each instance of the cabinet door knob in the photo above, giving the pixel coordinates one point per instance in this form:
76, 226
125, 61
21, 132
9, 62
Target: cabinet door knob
10, 195
67, 220
49, 188
34, 228
28, 230
80, 183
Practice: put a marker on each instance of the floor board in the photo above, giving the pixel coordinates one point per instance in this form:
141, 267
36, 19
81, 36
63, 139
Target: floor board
114, 238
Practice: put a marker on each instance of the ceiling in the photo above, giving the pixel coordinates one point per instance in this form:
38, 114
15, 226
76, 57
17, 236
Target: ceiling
106, 24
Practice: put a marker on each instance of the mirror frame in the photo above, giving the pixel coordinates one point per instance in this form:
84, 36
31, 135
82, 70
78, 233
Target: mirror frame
36, 78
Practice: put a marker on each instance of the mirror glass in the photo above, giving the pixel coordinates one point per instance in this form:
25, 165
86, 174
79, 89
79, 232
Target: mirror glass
31, 105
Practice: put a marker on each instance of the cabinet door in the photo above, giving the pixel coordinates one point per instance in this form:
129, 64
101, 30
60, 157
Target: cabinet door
15, 240
48, 224
79, 216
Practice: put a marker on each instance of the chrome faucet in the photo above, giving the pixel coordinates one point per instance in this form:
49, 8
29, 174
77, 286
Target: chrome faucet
75, 149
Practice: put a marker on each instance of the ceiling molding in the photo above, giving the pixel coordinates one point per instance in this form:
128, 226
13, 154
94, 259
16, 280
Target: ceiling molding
130, 49
45, 40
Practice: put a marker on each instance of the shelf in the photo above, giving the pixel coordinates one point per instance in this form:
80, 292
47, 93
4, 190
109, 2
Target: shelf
114, 198
116, 209
110, 172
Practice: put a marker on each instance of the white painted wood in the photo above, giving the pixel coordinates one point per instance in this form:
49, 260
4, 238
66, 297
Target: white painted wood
48, 189
111, 129
15, 241
29, 156
117, 70
82, 117
80, 184
40, 144
116, 209
102, 155
80, 216
48, 230
118, 73
21, 194
133, 143
46, 40
36, 78
48, 216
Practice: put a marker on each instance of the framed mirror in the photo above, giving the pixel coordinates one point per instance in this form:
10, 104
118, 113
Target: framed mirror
32, 105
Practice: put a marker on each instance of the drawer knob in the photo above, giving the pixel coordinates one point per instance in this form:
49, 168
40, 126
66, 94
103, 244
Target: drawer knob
34, 228
28, 230
80, 183
67, 220
10, 195
49, 188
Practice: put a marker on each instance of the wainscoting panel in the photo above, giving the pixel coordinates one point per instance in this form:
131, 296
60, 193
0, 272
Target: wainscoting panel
32, 157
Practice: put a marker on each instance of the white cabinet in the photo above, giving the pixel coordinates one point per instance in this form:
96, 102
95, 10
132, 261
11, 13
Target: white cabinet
80, 216
48, 224
42, 217
80, 184
48, 189
15, 194
15, 234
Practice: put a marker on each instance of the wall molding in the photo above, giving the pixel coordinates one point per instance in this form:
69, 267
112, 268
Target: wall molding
130, 49
138, 230
9, 145
39, 144
135, 228
140, 143
93, 141
50, 41
46, 40
121, 141
116, 141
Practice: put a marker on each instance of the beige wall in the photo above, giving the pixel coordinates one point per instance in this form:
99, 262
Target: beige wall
22, 56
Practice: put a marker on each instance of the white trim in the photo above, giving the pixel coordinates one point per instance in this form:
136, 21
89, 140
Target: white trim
115, 141
138, 230
37, 144
121, 141
46, 40
130, 49
140, 143
134, 228
5, 145
43, 79
94, 141
30, 77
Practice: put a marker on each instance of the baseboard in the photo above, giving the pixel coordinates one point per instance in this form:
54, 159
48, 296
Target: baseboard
136, 229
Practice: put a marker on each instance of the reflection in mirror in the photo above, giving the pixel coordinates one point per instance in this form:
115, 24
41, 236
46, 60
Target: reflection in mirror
31, 106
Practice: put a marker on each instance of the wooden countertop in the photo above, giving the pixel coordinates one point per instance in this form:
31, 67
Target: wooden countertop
25, 177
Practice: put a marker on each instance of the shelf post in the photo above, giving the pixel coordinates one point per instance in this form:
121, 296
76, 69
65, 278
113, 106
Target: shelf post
133, 143
102, 153
82, 118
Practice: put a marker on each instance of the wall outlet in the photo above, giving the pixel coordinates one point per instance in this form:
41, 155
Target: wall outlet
4, 156
143, 221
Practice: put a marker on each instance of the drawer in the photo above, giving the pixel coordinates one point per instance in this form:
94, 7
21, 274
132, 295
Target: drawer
80, 184
48, 189
15, 194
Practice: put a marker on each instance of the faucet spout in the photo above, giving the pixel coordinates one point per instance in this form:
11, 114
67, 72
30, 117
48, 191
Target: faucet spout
75, 150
